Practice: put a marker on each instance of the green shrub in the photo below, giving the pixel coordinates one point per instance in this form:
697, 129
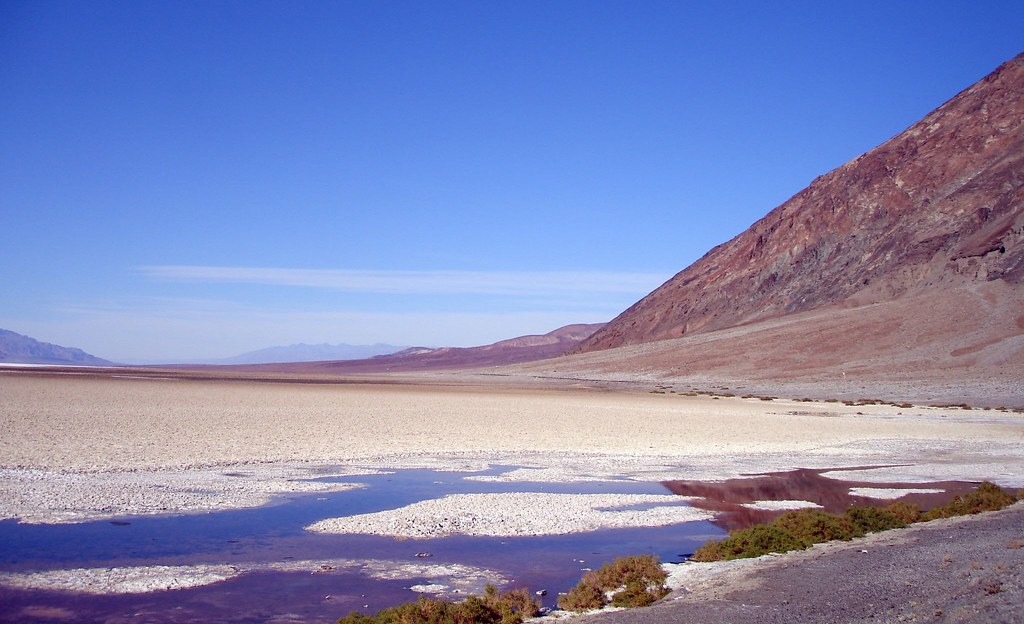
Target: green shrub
754, 541
986, 497
582, 598
813, 525
635, 582
494, 608
905, 512
796, 530
872, 519
638, 593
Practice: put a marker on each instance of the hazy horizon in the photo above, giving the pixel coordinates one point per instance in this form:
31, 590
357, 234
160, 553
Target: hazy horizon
198, 181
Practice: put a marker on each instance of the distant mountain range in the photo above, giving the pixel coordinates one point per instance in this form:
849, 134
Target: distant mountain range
19, 349
302, 352
511, 351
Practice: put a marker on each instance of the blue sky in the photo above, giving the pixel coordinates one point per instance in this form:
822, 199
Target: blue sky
185, 180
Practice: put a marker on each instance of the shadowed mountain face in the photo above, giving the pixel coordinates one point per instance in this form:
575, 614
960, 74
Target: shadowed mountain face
934, 213
16, 348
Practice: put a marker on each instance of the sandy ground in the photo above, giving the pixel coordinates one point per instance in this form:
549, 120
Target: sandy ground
77, 447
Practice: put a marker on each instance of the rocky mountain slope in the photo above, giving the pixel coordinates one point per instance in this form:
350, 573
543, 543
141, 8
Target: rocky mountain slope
19, 349
935, 212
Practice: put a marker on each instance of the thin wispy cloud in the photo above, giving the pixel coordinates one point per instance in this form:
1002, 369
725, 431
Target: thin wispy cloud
493, 283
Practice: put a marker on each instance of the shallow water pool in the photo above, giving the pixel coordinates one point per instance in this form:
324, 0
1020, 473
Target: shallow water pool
259, 542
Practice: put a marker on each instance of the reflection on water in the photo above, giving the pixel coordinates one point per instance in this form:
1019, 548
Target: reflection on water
727, 497
276, 534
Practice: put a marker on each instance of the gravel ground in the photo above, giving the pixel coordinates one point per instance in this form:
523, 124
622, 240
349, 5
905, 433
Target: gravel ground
967, 569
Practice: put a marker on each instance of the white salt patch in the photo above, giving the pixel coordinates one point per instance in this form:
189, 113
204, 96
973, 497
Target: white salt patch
46, 496
890, 493
512, 514
772, 505
130, 580
442, 578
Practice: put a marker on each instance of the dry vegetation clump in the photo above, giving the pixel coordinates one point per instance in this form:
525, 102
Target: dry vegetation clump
811, 526
796, 530
630, 581
755, 541
872, 519
986, 497
495, 607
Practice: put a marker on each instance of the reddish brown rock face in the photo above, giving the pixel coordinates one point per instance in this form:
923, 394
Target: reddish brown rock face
936, 207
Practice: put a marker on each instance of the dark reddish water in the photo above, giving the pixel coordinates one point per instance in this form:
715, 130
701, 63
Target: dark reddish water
726, 497
275, 533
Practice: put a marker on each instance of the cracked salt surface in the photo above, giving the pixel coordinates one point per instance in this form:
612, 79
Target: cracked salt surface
516, 514
781, 505
444, 578
890, 493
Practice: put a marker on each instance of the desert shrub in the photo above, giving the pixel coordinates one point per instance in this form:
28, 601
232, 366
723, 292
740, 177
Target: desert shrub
754, 541
493, 608
638, 593
583, 597
708, 552
512, 606
796, 530
813, 525
873, 519
635, 582
986, 497
905, 512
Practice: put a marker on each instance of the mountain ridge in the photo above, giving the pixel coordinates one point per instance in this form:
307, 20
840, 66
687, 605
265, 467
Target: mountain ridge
18, 348
303, 352
938, 205
516, 350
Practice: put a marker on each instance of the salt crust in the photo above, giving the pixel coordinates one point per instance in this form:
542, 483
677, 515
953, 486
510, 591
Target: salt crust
452, 579
518, 513
776, 505
890, 493
50, 497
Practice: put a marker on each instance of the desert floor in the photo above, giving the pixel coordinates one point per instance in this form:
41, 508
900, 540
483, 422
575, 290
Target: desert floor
75, 445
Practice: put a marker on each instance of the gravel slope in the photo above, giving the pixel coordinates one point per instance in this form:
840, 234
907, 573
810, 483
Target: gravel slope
957, 570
